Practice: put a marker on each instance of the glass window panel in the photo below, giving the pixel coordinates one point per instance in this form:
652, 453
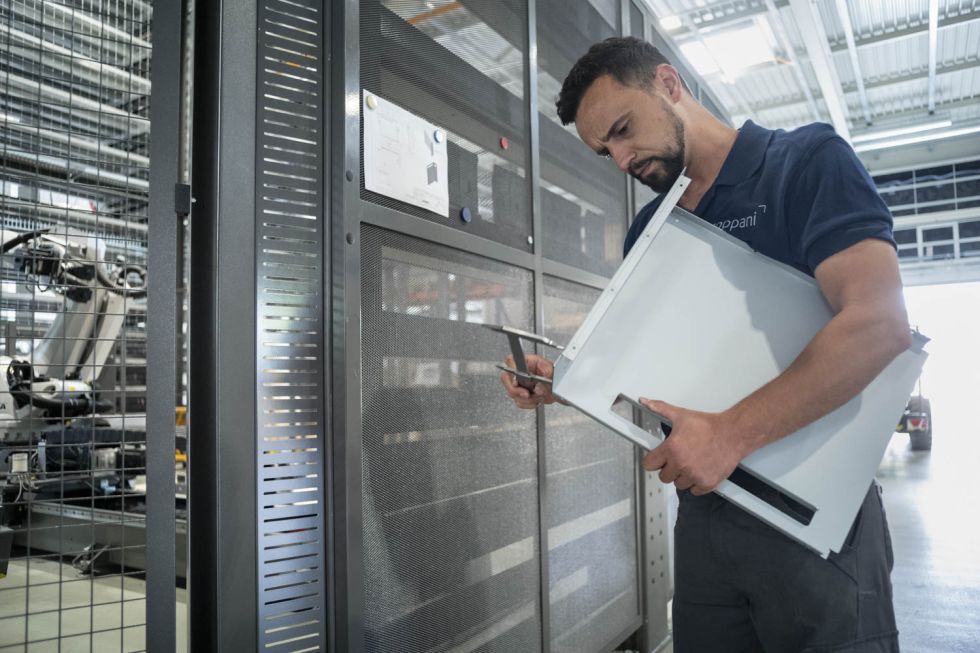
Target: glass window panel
936, 207
583, 197
591, 478
897, 197
449, 468
460, 66
938, 251
894, 179
967, 169
969, 189
934, 193
970, 249
904, 236
970, 229
938, 173
938, 233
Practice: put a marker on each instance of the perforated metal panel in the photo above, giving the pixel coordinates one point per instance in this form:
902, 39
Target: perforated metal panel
292, 540
591, 506
583, 197
460, 65
449, 467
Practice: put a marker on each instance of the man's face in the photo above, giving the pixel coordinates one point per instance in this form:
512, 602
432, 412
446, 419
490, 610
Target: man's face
636, 127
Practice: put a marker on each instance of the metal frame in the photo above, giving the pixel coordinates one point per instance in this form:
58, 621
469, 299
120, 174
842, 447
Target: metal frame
161, 399
222, 585
533, 166
344, 265
346, 631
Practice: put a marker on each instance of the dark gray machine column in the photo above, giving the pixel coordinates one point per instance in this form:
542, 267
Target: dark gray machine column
257, 386
161, 354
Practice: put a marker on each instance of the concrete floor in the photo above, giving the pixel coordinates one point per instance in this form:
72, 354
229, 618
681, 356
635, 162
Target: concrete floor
931, 500
101, 615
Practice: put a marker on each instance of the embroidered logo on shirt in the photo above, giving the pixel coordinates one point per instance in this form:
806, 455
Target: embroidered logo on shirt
745, 222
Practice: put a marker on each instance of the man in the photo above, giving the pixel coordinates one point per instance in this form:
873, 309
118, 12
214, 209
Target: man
803, 198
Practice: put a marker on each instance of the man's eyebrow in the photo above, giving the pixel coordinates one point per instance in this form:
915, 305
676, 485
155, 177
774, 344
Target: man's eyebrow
615, 126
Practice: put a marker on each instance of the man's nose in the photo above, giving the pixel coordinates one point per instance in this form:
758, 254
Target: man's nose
623, 158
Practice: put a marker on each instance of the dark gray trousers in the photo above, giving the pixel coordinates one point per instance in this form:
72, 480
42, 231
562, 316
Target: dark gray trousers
740, 585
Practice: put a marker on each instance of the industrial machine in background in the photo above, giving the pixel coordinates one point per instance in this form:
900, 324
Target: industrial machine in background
916, 420
59, 437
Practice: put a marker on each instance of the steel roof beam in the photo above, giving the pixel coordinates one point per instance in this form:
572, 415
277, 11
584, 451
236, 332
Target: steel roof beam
933, 40
781, 36
851, 87
720, 14
844, 14
811, 29
918, 112
906, 32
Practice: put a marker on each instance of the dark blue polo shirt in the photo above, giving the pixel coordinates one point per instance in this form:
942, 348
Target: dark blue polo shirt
796, 196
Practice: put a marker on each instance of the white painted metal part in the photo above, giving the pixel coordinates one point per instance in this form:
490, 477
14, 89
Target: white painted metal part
694, 317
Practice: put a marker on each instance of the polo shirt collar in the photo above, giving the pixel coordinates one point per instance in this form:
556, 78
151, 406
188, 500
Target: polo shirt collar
746, 154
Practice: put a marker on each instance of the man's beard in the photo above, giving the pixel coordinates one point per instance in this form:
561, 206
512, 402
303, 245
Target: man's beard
664, 176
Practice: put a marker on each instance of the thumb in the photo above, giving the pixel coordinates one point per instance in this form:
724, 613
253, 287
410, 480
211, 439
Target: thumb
671, 412
655, 459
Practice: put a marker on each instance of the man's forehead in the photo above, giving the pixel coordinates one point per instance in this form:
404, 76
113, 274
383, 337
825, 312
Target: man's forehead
603, 103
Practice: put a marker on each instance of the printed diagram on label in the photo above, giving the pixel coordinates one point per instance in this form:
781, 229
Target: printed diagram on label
405, 156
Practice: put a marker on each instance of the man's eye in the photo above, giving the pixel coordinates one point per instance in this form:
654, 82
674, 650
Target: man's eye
624, 129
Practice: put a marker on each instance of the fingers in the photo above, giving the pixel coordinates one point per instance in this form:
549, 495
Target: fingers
682, 482
509, 382
540, 366
515, 391
671, 412
655, 459
523, 398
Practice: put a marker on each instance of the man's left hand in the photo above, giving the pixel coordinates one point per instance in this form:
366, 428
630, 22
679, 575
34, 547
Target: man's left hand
700, 453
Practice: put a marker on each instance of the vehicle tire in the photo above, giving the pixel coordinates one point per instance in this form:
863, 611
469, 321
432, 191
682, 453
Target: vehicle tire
921, 440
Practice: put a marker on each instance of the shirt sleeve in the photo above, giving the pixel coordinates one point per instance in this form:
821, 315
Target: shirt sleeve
834, 204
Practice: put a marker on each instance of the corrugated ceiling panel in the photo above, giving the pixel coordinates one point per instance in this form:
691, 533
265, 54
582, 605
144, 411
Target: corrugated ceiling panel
831, 21
773, 84
959, 42
786, 117
966, 114
870, 17
959, 85
893, 58
845, 71
894, 97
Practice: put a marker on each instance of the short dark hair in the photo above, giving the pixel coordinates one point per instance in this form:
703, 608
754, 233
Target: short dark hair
631, 62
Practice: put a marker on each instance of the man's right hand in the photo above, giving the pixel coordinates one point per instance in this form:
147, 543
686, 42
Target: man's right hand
542, 394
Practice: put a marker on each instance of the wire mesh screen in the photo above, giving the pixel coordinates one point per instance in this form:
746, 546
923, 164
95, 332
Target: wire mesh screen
449, 473
583, 198
459, 65
591, 506
74, 102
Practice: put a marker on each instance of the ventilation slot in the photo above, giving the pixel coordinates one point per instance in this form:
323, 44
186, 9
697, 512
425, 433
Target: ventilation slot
289, 196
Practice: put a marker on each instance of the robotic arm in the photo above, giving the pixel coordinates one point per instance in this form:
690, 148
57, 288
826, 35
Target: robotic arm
59, 380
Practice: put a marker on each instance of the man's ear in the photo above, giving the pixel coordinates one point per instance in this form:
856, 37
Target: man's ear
670, 80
